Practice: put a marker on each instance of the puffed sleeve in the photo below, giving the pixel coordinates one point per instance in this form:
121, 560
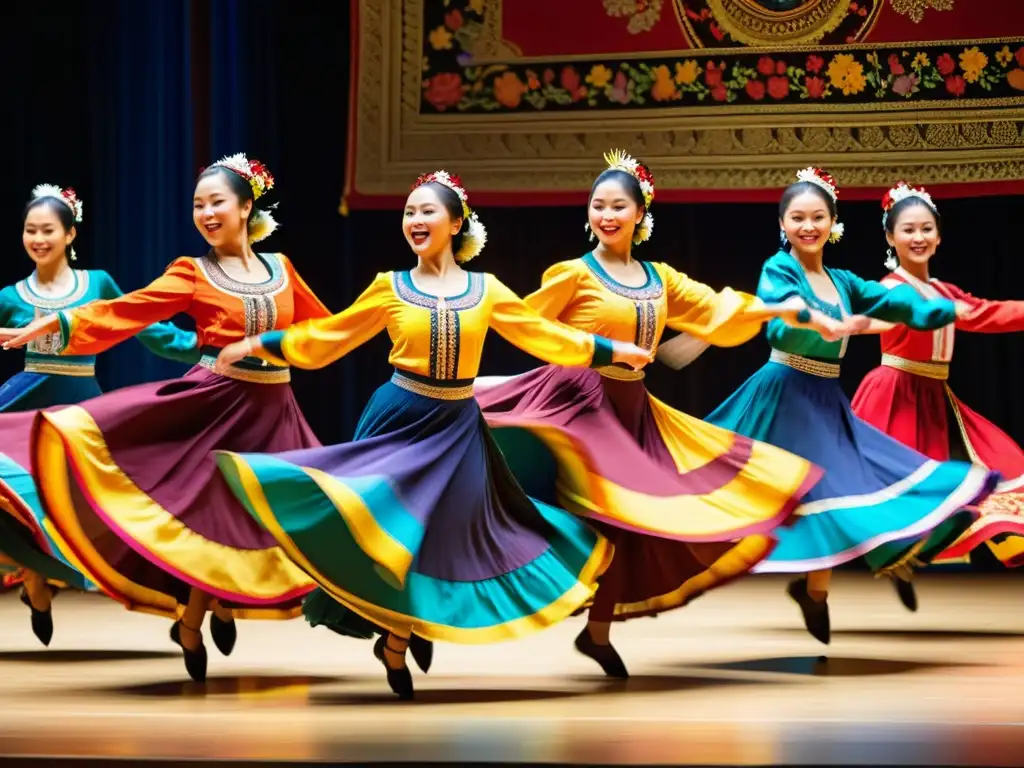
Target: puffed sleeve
724, 318
163, 339
99, 325
557, 289
307, 305
896, 304
988, 316
319, 342
522, 325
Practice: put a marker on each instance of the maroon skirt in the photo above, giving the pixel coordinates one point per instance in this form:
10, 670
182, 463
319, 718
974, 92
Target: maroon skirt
688, 506
129, 482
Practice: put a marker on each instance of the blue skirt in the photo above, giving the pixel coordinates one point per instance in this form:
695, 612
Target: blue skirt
25, 540
878, 499
418, 525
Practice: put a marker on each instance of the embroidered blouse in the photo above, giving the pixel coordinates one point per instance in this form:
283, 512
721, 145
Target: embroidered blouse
937, 345
21, 303
782, 277
434, 337
582, 294
224, 309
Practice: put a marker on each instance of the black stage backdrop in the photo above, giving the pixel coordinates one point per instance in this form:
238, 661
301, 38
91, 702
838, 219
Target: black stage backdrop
126, 100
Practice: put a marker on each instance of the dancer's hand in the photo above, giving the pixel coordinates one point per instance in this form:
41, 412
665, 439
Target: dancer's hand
13, 338
232, 353
855, 324
827, 327
630, 354
963, 309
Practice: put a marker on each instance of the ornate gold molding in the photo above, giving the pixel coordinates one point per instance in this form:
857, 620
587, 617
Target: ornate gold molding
706, 148
749, 23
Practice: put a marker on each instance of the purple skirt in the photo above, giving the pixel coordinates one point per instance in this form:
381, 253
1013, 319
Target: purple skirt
129, 481
688, 507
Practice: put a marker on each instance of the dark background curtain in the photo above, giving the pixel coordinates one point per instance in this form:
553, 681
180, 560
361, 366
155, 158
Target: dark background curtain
143, 94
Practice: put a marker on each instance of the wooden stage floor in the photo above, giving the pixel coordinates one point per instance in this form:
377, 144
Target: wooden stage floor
731, 680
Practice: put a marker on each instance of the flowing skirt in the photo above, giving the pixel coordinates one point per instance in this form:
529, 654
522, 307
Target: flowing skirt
25, 537
688, 506
912, 409
417, 525
130, 484
878, 498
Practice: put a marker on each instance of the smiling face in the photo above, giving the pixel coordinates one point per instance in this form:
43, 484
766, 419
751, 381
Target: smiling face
43, 234
614, 215
427, 223
807, 222
218, 212
915, 233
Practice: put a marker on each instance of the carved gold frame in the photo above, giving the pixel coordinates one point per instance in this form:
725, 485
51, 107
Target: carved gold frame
720, 148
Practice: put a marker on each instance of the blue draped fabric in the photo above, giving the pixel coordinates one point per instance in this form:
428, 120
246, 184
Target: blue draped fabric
139, 81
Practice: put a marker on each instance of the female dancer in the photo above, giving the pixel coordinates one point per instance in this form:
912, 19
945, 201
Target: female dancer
48, 232
878, 498
417, 525
688, 506
906, 396
140, 459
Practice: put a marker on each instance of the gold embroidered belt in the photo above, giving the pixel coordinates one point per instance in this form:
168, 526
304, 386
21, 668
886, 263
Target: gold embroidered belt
620, 373
436, 389
253, 374
60, 369
806, 365
937, 371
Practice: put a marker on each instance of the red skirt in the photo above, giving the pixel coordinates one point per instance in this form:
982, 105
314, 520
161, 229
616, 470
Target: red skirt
913, 409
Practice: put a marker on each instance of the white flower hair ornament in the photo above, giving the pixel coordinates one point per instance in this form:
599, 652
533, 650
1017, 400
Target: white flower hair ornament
899, 192
261, 223
826, 181
619, 160
474, 238
66, 196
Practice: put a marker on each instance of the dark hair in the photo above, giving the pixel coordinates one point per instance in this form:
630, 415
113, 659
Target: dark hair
626, 180
453, 204
241, 188
795, 190
57, 206
906, 204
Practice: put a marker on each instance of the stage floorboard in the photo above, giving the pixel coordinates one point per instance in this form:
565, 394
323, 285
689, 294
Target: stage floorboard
731, 680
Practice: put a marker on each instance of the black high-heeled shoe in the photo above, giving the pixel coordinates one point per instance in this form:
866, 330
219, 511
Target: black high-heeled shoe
42, 621
224, 634
195, 661
422, 651
605, 655
400, 679
906, 593
816, 615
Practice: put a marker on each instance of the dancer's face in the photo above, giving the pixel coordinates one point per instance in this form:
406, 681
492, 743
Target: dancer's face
614, 215
218, 213
427, 225
807, 223
44, 237
915, 235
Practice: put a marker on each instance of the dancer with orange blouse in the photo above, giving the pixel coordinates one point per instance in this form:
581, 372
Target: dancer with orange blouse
128, 480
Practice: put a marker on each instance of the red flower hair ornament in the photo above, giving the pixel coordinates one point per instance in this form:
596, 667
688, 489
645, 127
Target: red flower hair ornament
826, 181
261, 224
618, 160
899, 192
475, 237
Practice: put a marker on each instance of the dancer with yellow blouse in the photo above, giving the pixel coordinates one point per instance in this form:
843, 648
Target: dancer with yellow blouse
688, 506
417, 525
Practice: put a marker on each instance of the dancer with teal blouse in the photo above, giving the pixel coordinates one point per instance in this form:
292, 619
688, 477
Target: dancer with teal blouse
50, 380
878, 499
